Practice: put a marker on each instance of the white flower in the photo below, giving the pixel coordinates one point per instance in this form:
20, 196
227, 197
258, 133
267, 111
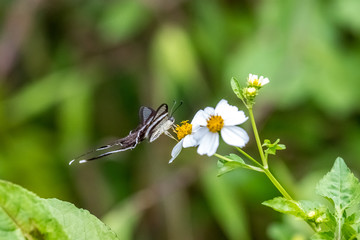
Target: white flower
253, 80
184, 134
207, 124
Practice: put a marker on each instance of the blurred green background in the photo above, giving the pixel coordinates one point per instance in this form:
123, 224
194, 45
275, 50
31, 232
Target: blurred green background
73, 75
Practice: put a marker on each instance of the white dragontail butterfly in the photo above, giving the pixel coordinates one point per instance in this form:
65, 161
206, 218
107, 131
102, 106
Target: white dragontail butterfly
152, 125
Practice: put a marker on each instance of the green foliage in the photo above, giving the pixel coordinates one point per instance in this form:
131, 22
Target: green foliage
339, 186
122, 20
272, 147
231, 162
226, 166
236, 87
286, 206
23, 215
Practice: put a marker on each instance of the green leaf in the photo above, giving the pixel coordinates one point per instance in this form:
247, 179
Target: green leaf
323, 236
226, 167
286, 206
77, 223
23, 215
353, 218
231, 162
351, 223
348, 232
340, 185
236, 87
311, 212
343, 189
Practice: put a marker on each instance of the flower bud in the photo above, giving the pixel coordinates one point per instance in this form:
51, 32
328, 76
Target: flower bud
311, 214
250, 92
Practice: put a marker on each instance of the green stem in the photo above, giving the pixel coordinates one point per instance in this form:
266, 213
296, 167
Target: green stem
264, 159
249, 157
339, 223
277, 184
268, 174
257, 138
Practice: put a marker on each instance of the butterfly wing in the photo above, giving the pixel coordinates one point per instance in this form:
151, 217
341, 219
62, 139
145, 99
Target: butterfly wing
152, 123
160, 124
120, 145
135, 136
146, 114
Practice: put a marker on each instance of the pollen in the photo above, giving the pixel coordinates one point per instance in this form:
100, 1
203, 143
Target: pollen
183, 130
215, 123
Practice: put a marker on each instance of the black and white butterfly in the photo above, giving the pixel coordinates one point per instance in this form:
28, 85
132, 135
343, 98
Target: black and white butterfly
152, 125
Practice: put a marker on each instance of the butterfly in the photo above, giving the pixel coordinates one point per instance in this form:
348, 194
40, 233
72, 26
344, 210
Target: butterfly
153, 123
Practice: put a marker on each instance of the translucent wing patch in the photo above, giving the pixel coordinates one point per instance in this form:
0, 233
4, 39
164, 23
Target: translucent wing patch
145, 113
162, 109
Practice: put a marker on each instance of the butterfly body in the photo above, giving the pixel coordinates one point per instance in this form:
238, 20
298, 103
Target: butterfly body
153, 123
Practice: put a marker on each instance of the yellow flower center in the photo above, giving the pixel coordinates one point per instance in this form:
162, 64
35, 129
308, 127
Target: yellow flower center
215, 123
255, 82
183, 130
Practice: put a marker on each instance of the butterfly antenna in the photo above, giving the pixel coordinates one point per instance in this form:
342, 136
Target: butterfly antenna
173, 109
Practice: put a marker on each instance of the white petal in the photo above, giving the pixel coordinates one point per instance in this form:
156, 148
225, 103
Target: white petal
230, 114
264, 81
209, 111
252, 77
189, 141
200, 133
235, 136
222, 104
208, 144
176, 151
234, 118
199, 120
